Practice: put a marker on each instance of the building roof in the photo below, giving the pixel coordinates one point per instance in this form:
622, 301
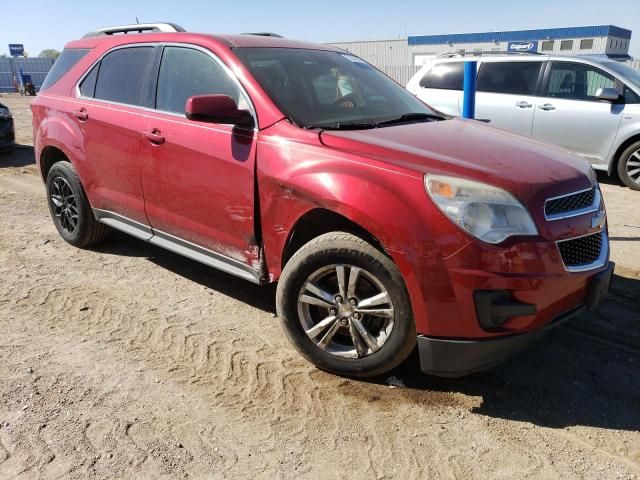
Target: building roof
522, 35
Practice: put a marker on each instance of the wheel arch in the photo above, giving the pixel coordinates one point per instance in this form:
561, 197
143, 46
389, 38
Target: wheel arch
48, 157
319, 221
613, 165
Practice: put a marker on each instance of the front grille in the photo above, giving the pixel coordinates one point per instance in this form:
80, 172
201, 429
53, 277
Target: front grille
581, 251
570, 203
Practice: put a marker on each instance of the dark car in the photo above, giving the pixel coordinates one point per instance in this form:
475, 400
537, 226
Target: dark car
7, 130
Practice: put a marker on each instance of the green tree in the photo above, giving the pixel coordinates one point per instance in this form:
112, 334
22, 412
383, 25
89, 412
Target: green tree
49, 53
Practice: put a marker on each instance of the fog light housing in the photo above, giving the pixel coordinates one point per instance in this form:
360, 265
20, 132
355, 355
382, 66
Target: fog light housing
495, 307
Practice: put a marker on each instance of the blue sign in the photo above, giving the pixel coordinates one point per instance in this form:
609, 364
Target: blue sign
16, 50
524, 47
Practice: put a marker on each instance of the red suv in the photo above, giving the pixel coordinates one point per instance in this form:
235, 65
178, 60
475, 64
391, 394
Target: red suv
385, 223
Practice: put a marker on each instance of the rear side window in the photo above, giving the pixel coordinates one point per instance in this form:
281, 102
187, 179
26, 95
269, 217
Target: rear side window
445, 76
185, 72
516, 78
124, 76
65, 62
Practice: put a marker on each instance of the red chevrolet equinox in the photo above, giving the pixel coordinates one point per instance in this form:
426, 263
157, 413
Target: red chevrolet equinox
385, 223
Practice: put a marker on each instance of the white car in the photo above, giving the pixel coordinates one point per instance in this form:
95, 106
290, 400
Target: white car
587, 105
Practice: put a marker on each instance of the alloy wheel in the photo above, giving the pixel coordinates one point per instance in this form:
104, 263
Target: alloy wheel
633, 166
64, 206
346, 311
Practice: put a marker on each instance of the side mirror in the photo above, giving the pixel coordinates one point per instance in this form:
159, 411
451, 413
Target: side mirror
216, 109
609, 94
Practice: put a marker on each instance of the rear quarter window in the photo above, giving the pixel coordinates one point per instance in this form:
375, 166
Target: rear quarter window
65, 62
444, 76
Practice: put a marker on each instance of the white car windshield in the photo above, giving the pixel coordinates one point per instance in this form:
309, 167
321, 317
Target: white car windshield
633, 76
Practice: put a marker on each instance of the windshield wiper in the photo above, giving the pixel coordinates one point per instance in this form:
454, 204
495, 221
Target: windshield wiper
343, 126
408, 117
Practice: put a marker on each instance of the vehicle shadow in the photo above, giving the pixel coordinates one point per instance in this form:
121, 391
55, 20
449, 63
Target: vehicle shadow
612, 179
583, 373
260, 297
22, 156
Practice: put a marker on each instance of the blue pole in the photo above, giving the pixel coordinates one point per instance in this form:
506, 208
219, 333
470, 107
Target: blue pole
469, 92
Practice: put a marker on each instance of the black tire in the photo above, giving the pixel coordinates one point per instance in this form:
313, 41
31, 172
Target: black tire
630, 154
86, 230
339, 248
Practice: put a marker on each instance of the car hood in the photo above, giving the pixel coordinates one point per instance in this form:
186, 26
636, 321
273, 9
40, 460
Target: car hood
529, 169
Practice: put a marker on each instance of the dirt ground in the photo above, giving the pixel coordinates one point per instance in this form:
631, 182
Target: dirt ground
127, 361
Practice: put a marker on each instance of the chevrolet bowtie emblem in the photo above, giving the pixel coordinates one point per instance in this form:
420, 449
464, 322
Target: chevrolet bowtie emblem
598, 220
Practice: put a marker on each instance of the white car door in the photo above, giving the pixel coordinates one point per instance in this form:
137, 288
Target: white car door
506, 93
570, 115
440, 86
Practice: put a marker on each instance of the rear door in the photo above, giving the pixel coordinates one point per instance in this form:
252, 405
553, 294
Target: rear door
198, 182
111, 113
441, 86
570, 115
506, 93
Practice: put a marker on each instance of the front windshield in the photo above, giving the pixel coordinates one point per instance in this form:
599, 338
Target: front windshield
325, 89
627, 72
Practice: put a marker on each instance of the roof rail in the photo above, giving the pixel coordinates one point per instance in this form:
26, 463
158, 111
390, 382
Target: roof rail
136, 28
264, 34
485, 52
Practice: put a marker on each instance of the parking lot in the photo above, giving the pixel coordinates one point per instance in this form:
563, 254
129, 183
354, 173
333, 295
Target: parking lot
126, 360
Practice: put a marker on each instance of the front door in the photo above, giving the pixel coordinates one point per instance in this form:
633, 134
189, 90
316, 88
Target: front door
570, 115
198, 182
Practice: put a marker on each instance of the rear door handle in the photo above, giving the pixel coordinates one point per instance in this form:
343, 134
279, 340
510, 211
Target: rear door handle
523, 104
154, 136
81, 115
547, 107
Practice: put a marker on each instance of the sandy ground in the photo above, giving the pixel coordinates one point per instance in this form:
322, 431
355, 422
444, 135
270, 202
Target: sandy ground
127, 361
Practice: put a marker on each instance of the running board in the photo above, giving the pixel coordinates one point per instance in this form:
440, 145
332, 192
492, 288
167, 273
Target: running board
178, 245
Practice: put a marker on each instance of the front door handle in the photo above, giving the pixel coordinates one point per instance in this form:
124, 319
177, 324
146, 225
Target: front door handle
154, 136
523, 104
81, 114
546, 107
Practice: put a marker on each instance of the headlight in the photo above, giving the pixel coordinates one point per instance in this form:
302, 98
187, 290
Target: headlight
4, 112
486, 212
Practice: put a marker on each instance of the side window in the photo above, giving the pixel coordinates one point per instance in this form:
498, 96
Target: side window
516, 78
88, 85
124, 76
65, 62
576, 81
446, 76
185, 72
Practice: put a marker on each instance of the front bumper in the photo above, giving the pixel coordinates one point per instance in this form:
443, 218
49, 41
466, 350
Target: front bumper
7, 136
458, 357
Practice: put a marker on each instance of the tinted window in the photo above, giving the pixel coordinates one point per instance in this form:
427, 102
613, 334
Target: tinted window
67, 59
124, 76
185, 72
447, 76
518, 78
88, 85
576, 81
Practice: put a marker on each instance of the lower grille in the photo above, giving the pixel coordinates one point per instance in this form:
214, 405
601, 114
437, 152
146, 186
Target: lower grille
581, 252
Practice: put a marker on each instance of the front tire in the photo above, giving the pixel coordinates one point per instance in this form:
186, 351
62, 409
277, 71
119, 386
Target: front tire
344, 306
70, 209
629, 166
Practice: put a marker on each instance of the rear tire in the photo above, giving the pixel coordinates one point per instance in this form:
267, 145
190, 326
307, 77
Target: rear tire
629, 166
70, 209
344, 306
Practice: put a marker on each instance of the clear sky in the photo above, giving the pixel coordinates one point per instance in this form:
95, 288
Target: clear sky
51, 23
